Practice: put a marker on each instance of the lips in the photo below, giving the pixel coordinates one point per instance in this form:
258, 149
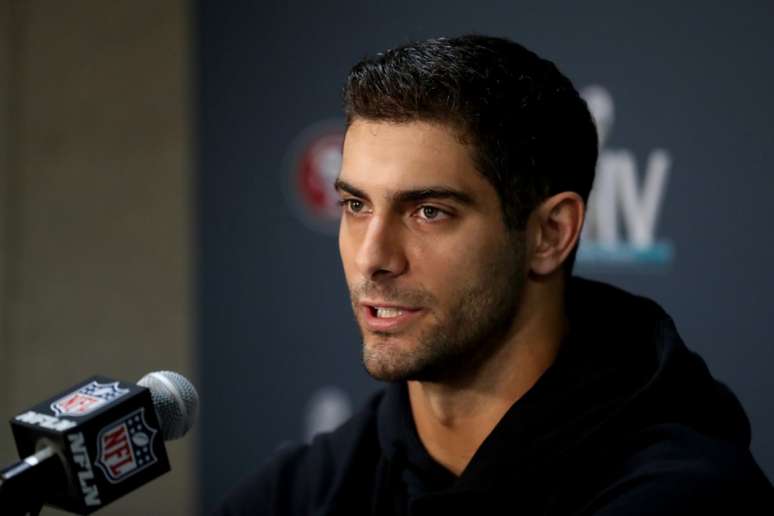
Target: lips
387, 317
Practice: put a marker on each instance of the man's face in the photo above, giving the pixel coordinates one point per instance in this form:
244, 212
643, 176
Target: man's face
434, 276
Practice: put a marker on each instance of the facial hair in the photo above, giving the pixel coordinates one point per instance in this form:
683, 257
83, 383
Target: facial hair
456, 340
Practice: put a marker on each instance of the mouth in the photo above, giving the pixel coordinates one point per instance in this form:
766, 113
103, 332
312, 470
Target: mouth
388, 318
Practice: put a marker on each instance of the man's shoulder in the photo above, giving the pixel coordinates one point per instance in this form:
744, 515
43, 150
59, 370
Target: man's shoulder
297, 475
673, 469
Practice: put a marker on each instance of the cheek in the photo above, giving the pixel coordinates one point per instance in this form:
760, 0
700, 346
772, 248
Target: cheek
449, 266
441, 265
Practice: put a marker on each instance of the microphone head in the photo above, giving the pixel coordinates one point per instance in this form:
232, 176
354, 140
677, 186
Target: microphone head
175, 400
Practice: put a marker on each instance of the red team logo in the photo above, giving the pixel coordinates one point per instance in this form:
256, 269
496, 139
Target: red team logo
87, 399
125, 447
316, 161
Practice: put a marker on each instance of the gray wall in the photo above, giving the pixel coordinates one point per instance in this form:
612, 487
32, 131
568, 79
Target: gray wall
95, 212
5, 164
690, 81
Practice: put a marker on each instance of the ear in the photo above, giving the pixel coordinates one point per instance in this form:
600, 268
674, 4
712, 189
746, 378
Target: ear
555, 229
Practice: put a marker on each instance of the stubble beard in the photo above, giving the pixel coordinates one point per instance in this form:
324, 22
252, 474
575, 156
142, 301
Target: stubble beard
453, 344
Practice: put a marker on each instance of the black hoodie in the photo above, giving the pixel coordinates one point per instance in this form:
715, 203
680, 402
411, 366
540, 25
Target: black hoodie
627, 421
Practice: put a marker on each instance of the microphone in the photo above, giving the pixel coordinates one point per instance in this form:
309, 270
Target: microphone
95, 442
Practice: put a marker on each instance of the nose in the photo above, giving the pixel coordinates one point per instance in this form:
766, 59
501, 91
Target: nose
381, 253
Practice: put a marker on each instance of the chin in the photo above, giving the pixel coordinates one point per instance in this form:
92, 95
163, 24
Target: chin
387, 360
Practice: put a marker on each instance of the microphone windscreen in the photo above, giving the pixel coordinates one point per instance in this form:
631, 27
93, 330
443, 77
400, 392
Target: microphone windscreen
175, 399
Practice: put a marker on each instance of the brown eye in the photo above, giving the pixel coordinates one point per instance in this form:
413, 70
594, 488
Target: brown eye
354, 205
429, 212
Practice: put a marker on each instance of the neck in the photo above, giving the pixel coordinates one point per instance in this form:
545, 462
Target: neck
453, 418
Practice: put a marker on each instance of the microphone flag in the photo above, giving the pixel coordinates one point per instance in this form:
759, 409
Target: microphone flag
107, 436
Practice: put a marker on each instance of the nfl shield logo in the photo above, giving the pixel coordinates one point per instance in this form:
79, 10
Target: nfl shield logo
87, 399
126, 447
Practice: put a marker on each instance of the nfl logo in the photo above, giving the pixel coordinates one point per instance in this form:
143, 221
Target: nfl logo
87, 399
125, 447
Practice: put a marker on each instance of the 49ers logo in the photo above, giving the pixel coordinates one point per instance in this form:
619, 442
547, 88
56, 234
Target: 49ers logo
312, 166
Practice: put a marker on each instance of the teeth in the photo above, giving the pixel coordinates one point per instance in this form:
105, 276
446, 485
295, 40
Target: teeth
388, 312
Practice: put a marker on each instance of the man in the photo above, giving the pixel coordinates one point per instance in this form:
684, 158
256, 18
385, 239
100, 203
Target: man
514, 388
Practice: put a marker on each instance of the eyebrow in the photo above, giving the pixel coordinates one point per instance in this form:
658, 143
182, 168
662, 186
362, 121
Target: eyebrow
412, 196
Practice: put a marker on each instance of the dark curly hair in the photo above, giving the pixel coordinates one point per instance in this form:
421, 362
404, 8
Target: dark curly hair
531, 133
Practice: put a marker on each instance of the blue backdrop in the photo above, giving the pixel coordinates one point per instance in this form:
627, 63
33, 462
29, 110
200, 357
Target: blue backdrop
681, 213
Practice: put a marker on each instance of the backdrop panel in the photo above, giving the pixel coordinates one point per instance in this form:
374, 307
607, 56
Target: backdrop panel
680, 214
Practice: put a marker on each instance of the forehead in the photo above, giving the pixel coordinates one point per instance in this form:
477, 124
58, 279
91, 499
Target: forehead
396, 156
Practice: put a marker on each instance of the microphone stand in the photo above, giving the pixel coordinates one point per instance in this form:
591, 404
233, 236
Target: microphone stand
24, 484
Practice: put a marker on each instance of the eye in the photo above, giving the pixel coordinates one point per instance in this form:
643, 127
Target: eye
352, 205
431, 213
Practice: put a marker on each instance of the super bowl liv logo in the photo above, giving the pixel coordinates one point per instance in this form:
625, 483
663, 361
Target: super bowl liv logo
623, 211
